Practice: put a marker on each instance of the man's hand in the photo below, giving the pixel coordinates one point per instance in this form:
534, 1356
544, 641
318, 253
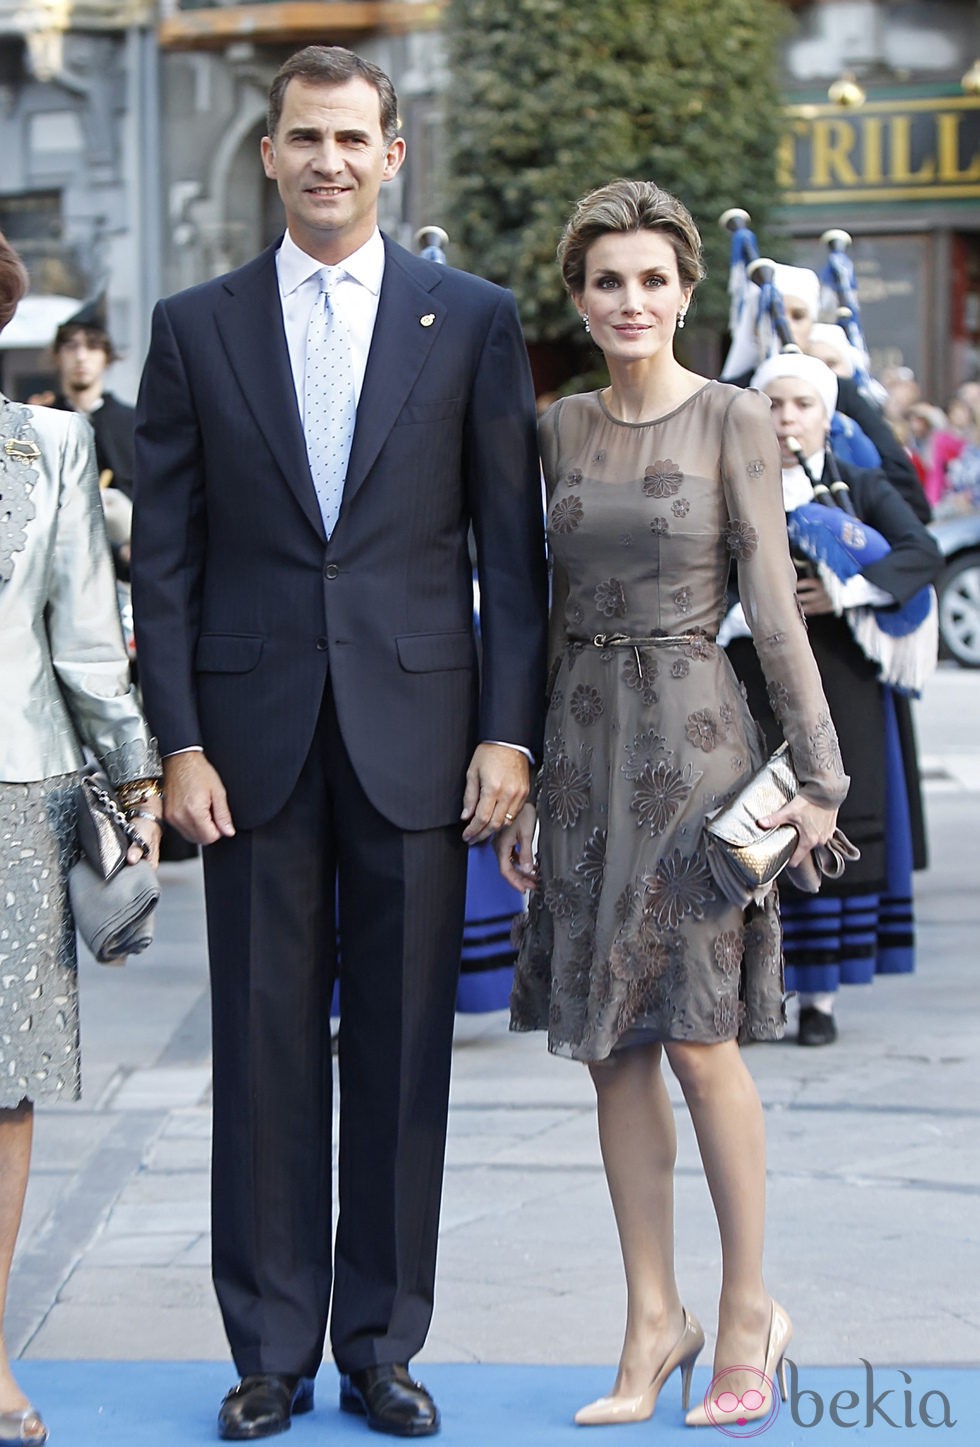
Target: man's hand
813, 597
195, 800
497, 783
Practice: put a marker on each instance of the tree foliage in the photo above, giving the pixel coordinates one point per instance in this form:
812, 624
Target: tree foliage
549, 98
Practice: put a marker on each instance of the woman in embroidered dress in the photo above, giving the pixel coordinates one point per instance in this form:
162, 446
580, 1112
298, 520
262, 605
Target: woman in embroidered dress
64, 684
630, 952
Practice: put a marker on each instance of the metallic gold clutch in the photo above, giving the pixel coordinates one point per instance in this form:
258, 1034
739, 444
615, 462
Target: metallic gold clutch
744, 858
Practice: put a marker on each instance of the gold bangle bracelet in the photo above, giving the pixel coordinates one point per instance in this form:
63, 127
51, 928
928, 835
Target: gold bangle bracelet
138, 791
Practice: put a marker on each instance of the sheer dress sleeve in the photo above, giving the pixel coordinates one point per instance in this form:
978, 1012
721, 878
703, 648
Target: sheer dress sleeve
757, 539
548, 446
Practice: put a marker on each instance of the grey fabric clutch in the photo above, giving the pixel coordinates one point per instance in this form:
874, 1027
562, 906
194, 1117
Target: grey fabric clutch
112, 902
114, 916
745, 859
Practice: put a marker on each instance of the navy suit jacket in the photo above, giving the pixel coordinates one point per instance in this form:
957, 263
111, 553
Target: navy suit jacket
243, 606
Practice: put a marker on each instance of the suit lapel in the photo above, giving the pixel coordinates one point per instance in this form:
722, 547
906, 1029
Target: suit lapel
249, 322
403, 338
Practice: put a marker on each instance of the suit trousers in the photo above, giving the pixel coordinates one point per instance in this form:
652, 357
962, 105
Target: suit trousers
272, 895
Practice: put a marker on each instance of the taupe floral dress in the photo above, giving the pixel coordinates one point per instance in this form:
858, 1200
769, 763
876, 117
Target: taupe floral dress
648, 731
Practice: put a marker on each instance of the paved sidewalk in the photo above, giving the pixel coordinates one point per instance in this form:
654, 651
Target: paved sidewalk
874, 1179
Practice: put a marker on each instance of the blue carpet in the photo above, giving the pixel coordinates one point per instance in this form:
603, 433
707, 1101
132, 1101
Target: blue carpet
173, 1404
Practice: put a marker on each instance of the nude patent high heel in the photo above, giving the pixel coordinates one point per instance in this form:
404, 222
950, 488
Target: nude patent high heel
610, 1411
722, 1414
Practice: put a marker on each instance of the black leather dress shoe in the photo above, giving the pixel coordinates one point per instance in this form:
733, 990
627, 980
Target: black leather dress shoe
817, 1027
262, 1405
390, 1400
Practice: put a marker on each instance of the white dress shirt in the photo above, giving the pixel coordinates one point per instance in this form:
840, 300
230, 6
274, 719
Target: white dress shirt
356, 300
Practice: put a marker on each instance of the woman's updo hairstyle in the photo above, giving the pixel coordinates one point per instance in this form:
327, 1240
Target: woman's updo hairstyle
626, 206
13, 281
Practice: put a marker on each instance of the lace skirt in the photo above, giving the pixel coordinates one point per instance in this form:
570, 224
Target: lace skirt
39, 1056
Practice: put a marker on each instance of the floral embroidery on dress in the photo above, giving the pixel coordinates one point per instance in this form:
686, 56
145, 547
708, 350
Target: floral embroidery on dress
741, 540
778, 695
728, 1017
593, 862
586, 704
680, 668
662, 479
646, 751
574, 651
660, 791
682, 601
702, 730
626, 540
729, 949
640, 671
573, 478
659, 527
700, 648
680, 507
824, 747
679, 887
600, 456
567, 791
726, 713
566, 514
567, 900
636, 959
756, 467
610, 598
626, 903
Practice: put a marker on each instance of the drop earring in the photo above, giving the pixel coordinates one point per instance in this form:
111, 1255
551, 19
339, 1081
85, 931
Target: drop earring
585, 323
681, 319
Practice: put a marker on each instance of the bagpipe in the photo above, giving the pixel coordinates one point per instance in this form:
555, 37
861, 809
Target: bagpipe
903, 640
756, 315
431, 242
837, 277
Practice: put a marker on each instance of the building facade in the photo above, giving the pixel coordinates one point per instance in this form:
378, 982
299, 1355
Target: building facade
130, 137
894, 160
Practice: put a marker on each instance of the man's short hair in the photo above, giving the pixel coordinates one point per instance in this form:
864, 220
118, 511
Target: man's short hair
332, 65
94, 335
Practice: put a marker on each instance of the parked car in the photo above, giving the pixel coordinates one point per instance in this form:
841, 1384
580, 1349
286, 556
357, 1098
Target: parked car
958, 587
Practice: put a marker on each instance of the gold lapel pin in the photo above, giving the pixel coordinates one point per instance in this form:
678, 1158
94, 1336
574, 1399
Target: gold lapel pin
427, 320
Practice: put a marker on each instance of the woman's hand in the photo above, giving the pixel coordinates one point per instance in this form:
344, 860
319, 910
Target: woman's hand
515, 850
813, 823
147, 822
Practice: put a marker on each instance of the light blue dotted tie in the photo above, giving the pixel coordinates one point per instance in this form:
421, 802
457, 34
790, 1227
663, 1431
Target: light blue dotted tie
329, 407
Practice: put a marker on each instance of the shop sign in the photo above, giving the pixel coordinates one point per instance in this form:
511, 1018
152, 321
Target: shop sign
885, 150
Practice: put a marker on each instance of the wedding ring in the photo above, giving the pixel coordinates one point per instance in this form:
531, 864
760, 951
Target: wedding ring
508, 818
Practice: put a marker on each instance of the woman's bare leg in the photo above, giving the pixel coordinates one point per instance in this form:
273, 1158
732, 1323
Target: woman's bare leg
639, 1147
16, 1132
727, 1115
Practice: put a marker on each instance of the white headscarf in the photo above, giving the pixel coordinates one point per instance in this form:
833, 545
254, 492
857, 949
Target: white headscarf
809, 369
798, 281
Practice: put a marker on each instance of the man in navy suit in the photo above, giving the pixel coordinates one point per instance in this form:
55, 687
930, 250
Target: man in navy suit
314, 683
